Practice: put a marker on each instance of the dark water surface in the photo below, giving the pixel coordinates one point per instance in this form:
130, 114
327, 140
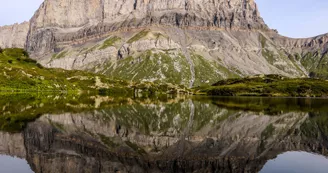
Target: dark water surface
63, 133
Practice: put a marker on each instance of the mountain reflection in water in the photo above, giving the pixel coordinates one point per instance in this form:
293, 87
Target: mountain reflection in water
167, 134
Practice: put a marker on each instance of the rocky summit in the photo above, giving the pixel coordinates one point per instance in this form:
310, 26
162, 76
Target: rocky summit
187, 42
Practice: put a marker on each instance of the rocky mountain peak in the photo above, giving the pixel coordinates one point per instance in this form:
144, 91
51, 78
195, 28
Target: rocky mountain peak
61, 20
219, 13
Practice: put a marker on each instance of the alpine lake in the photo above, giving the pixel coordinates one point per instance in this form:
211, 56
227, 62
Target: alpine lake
65, 133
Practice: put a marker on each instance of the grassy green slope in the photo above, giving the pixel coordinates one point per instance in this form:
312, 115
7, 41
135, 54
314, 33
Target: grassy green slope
315, 63
269, 85
20, 73
167, 67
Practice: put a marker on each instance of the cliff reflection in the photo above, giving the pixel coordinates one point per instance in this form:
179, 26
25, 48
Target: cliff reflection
174, 135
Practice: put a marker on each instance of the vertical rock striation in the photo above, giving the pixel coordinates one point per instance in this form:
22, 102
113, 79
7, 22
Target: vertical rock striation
64, 21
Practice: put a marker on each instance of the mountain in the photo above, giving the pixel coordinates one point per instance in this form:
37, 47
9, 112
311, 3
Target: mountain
188, 42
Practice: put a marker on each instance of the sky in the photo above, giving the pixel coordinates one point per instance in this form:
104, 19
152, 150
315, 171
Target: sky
295, 18
17, 11
292, 18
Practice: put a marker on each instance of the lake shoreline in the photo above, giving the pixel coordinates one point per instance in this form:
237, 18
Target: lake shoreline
267, 86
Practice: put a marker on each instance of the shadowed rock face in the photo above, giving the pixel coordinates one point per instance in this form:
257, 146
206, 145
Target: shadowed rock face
179, 137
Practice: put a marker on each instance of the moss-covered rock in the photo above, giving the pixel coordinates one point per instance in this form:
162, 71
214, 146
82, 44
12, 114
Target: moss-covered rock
110, 42
138, 36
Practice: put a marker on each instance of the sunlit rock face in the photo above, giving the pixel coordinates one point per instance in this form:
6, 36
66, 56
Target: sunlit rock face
69, 21
184, 136
14, 35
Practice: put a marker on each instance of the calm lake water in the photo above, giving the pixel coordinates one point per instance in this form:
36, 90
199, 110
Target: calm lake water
63, 133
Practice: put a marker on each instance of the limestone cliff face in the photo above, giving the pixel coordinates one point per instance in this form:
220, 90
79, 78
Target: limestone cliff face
14, 35
220, 13
63, 21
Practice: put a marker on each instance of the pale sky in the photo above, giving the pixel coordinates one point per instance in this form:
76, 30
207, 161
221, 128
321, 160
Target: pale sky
17, 11
292, 18
295, 18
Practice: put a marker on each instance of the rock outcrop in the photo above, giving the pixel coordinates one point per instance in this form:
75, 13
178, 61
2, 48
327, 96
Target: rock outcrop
14, 35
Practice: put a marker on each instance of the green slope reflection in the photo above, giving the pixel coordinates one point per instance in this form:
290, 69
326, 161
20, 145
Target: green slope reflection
168, 134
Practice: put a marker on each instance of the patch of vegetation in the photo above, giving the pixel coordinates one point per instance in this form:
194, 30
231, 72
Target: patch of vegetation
58, 126
26, 75
86, 50
320, 67
268, 85
265, 135
316, 64
108, 141
263, 40
166, 67
159, 68
294, 60
20, 108
268, 132
316, 127
158, 35
110, 42
135, 147
93, 48
208, 72
271, 105
309, 60
116, 91
297, 57
60, 55
138, 36
268, 55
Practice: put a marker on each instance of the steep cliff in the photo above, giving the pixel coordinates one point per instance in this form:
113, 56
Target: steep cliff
188, 42
14, 35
